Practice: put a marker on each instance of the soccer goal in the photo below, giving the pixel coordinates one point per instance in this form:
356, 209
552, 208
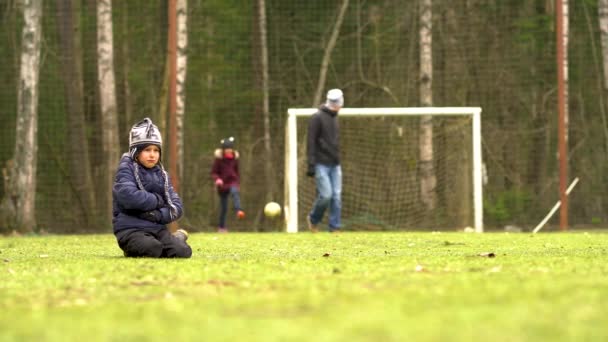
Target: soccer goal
386, 184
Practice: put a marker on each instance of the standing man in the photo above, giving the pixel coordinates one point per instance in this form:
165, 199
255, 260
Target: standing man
324, 162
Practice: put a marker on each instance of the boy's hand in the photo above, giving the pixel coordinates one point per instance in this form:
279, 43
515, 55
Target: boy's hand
161, 201
152, 216
219, 182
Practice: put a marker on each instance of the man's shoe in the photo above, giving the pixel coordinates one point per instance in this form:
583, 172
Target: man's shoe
240, 214
181, 234
222, 230
312, 227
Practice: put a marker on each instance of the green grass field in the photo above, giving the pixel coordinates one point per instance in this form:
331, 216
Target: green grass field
305, 287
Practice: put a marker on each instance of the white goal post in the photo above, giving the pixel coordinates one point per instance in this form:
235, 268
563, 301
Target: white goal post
291, 150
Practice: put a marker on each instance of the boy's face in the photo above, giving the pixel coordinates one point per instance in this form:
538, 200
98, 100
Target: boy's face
148, 157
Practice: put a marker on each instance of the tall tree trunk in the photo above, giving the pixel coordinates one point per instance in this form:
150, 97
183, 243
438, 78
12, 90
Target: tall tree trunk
428, 180
127, 119
566, 23
331, 44
603, 23
107, 97
163, 103
22, 173
563, 139
68, 18
265, 98
172, 62
182, 59
603, 19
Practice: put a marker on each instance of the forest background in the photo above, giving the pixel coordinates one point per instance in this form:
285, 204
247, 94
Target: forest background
246, 66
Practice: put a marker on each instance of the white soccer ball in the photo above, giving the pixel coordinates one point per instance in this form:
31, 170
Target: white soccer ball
272, 209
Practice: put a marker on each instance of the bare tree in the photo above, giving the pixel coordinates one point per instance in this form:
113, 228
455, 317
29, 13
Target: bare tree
428, 179
603, 19
125, 63
563, 125
331, 44
20, 176
68, 19
566, 32
107, 96
182, 59
261, 7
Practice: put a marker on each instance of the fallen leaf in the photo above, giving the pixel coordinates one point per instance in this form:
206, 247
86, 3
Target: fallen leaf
6, 260
487, 255
44, 255
419, 268
325, 255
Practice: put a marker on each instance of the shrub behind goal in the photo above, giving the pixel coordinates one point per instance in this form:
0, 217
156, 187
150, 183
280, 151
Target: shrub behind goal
380, 158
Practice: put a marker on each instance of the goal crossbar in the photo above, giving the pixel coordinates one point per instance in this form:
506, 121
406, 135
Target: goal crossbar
291, 159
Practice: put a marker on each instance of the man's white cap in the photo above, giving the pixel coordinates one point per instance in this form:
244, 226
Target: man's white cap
335, 97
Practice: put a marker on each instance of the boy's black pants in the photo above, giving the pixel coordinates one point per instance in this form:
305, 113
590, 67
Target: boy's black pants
152, 243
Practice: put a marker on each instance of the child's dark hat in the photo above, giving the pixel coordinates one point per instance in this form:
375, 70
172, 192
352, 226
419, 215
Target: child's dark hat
227, 143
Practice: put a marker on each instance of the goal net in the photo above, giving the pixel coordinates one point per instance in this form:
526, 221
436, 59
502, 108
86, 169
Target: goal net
386, 184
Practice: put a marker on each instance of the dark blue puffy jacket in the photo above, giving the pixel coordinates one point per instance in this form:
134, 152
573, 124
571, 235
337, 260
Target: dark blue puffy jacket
130, 201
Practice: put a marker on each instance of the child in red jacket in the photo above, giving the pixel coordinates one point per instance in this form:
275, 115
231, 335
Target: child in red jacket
225, 174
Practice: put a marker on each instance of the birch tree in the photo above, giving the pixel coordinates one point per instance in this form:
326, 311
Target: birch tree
182, 59
428, 179
22, 170
107, 97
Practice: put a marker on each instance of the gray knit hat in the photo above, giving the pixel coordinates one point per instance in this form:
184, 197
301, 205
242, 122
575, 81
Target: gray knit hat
142, 134
335, 97
145, 133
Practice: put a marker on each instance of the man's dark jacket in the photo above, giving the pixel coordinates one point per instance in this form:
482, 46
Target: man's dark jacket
323, 138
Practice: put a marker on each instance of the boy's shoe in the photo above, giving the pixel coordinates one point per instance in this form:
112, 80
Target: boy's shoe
240, 214
312, 227
222, 230
181, 234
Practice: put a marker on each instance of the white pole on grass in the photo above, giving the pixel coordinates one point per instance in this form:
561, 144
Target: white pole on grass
477, 171
291, 198
555, 207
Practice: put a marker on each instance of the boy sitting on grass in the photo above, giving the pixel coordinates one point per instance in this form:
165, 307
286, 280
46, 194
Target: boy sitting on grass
144, 200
